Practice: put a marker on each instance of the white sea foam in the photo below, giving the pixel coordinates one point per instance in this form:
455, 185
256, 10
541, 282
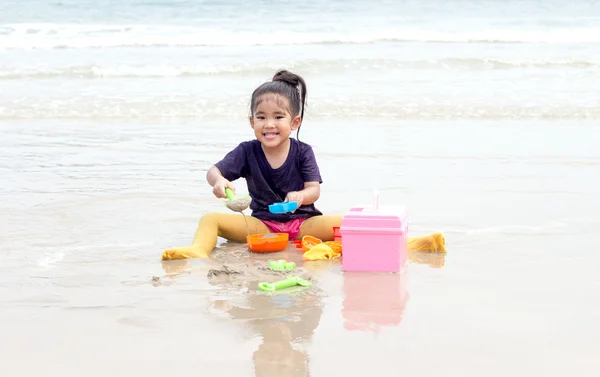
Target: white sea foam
156, 107
51, 35
310, 65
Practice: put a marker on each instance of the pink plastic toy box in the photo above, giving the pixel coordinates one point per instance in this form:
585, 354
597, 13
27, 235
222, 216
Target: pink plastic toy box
374, 238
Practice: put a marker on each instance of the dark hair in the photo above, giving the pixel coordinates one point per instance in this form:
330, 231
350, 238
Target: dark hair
285, 84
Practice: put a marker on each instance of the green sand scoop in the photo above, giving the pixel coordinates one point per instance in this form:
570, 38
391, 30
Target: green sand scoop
282, 284
236, 204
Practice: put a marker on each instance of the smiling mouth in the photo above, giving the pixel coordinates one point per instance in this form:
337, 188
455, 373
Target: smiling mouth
270, 135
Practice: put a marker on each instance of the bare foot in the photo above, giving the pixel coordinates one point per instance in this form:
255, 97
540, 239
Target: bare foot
431, 242
185, 252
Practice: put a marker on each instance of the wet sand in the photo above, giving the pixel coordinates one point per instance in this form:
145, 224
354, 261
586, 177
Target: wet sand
87, 208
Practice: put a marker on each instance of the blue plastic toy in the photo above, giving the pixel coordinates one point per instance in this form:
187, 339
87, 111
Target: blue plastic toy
283, 207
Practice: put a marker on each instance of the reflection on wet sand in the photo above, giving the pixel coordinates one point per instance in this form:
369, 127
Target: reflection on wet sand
286, 320
175, 267
286, 323
373, 300
432, 259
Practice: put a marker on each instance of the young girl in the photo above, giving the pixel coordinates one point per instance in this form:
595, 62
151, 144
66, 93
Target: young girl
276, 168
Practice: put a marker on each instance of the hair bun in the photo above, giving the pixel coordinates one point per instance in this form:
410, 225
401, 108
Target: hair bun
287, 77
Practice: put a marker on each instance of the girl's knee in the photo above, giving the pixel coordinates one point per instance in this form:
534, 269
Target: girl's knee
320, 227
325, 221
210, 216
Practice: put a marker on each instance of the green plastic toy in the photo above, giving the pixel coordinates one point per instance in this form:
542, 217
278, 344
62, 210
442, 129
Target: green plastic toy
282, 284
237, 204
281, 265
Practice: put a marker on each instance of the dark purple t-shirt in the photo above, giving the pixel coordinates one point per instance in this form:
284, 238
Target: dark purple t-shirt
267, 185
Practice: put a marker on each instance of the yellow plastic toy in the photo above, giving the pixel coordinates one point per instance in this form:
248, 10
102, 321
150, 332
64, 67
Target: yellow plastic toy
317, 249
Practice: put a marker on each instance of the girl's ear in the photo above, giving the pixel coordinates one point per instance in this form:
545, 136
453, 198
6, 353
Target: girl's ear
296, 122
251, 119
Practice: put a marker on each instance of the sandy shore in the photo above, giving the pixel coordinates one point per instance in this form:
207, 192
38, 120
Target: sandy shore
87, 209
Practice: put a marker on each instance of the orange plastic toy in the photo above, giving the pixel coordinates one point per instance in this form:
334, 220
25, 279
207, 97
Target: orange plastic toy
308, 242
267, 243
315, 249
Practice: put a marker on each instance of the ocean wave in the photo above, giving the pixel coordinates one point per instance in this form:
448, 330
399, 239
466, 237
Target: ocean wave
203, 109
53, 36
198, 70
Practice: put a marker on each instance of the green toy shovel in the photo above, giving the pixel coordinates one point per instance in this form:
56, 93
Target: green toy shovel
282, 284
236, 204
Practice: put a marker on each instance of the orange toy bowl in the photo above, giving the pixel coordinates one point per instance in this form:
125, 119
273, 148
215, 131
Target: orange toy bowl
267, 242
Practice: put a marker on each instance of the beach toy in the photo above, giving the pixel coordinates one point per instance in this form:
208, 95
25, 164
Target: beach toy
267, 242
336, 246
281, 265
337, 236
236, 204
308, 242
282, 284
283, 207
375, 238
321, 251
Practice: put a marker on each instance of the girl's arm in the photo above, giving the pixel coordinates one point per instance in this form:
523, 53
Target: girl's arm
213, 175
309, 195
218, 182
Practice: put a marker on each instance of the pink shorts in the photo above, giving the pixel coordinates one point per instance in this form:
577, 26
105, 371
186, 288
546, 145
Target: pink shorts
292, 227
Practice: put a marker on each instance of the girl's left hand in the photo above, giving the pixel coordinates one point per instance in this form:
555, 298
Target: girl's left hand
295, 196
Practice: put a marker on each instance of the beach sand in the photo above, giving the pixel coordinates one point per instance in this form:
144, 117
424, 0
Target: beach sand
82, 287
481, 117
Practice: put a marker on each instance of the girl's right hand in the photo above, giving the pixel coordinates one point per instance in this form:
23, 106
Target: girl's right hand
219, 187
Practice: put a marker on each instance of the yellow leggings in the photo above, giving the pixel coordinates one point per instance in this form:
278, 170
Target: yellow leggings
233, 228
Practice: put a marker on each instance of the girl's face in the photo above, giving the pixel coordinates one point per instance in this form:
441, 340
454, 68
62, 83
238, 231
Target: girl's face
272, 121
